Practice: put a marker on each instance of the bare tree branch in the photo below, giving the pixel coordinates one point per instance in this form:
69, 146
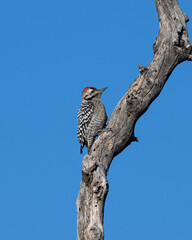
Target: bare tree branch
172, 46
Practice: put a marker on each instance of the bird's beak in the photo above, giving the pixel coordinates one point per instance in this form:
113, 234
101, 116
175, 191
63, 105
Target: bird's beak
102, 90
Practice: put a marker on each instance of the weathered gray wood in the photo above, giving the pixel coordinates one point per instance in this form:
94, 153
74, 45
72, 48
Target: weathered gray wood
172, 46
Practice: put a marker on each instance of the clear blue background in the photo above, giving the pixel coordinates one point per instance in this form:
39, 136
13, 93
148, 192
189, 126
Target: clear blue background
49, 51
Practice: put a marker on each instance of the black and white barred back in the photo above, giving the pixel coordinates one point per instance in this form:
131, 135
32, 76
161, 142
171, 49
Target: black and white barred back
84, 116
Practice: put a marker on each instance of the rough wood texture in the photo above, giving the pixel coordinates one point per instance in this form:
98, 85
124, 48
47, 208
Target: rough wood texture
172, 46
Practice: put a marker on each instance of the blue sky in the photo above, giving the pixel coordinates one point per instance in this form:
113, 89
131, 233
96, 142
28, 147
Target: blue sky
49, 51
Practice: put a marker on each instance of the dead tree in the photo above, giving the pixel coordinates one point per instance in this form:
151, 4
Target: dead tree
172, 46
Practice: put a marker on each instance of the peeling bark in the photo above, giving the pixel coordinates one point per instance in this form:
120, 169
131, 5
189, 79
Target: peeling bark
172, 46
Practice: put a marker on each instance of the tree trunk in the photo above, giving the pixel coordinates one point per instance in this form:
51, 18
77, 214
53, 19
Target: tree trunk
172, 46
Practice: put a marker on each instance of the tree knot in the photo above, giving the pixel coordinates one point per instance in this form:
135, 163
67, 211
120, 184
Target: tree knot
89, 166
94, 232
142, 69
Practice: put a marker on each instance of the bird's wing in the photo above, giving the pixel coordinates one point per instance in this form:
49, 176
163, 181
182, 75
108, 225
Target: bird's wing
84, 116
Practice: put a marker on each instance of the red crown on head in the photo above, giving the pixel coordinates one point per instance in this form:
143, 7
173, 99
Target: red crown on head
85, 89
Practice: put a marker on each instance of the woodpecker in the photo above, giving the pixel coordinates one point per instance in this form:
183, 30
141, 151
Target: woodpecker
91, 117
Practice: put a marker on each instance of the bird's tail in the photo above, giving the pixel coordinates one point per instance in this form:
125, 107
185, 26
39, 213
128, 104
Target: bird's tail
81, 148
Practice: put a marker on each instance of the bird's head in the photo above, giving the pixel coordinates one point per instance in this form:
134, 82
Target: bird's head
92, 92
